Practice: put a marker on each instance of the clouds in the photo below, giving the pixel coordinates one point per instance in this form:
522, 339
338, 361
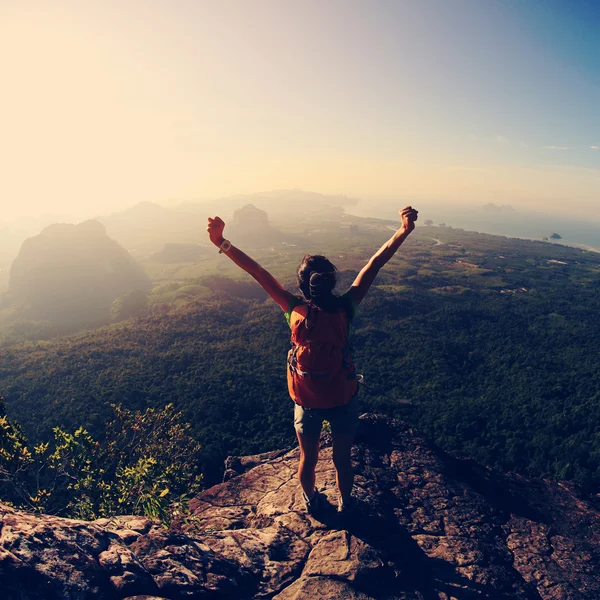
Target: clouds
592, 147
502, 140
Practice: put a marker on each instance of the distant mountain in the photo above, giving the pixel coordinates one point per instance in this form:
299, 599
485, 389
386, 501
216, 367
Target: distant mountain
14, 233
280, 204
72, 273
250, 216
490, 207
178, 253
146, 227
294, 205
250, 226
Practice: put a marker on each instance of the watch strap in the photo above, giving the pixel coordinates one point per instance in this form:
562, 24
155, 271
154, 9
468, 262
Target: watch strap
225, 246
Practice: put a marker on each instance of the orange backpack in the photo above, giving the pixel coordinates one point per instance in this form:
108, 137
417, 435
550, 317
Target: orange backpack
320, 371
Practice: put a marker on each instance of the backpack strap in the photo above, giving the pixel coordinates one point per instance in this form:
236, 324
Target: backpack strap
309, 313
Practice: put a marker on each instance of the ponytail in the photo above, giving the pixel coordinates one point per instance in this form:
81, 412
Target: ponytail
316, 280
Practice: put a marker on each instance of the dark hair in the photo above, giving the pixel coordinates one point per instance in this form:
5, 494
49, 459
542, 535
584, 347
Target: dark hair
316, 280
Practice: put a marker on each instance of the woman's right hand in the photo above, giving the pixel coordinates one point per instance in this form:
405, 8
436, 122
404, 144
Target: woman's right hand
408, 215
215, 230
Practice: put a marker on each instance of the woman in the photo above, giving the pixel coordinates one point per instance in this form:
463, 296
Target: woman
321, 377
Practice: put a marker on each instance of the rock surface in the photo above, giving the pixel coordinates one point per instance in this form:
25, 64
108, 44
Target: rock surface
426, 526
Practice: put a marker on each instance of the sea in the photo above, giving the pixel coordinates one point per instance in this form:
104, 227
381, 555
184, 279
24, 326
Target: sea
526, 224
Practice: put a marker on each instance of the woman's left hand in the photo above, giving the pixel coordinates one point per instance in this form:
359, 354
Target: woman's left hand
215, 230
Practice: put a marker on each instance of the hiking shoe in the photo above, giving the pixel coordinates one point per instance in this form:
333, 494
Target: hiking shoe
312, 504
345, 508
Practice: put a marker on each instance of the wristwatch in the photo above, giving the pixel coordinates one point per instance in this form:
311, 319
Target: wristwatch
225, 246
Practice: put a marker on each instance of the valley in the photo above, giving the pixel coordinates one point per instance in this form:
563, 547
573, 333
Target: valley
492, 340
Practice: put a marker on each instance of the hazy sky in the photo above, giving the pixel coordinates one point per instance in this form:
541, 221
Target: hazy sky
107, 103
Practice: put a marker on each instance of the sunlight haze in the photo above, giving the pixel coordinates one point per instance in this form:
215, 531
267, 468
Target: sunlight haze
106, 104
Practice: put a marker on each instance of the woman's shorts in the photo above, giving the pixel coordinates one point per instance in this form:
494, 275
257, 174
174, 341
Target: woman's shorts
343, 419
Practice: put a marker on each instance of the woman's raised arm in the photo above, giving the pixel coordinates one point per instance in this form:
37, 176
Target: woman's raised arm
367, 275
281, 296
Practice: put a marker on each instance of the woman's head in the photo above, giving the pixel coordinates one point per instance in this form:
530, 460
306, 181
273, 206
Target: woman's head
316, 279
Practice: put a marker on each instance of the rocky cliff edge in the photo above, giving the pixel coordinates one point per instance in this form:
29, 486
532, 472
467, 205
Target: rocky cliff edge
427, 526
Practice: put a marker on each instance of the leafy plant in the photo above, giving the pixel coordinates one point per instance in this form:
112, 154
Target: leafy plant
146, 464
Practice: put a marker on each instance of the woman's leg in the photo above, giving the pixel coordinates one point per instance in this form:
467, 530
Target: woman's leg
309, 455
344, 422
342, 450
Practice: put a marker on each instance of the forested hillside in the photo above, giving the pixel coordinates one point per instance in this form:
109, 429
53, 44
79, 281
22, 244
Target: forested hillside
487, 344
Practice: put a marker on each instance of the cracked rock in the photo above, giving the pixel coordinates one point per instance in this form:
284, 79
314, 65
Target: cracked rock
427, 526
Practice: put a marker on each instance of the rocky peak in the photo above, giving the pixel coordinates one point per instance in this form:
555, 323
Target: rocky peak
427, 526
250, 227
72, 273
250, 216
85, 229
